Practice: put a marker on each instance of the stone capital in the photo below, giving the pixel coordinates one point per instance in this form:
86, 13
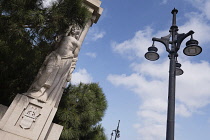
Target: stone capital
94, 8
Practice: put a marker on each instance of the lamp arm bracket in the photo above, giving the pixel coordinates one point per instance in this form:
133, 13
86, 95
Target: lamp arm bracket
181, 37
164, 41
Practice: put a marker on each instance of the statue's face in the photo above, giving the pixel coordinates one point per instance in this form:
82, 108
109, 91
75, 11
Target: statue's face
75, 32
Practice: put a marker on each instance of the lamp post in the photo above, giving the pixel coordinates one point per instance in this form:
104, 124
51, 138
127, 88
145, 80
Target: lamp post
117, 132
172, 43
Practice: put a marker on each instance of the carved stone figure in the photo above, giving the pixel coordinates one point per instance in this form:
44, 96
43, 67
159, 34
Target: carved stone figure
56, 69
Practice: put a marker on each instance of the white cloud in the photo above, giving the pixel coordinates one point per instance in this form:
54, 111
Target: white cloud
182, 110
137, 46
207, 9
99, 35
199, 25
81, 76
91, 54
154, 104
164, 2
159, 71
95, 34
156, 131
193, 89
203, 6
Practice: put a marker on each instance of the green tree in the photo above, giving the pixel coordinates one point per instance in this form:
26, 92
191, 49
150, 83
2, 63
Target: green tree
80, 111
27, 35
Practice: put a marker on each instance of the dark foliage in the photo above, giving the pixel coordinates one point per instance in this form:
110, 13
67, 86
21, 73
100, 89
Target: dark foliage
80, 111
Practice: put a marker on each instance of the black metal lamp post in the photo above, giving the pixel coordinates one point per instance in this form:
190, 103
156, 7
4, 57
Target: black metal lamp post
117, 132
192, 49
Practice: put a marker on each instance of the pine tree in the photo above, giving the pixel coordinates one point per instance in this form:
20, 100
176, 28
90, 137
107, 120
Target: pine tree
80, 111
27, 35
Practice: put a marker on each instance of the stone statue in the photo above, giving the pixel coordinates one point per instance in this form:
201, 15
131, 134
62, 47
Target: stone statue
57, 68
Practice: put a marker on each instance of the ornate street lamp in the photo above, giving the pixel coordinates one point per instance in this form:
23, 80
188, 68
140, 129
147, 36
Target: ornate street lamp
174, 39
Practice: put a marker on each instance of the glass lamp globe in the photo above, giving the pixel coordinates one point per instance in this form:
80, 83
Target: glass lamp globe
152, 54
192, 48
179, 71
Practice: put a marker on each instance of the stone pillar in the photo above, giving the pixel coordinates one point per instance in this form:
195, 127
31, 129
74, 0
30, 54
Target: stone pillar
28, 118
96, 11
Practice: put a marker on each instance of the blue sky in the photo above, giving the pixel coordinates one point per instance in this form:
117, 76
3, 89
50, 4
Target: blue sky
136, 89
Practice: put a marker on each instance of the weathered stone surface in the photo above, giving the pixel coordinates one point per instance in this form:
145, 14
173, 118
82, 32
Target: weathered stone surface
95, 8
56, 70
9, 136
54, 132
29, 118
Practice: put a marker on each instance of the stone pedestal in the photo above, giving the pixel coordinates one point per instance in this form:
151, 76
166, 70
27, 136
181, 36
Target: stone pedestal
29, 119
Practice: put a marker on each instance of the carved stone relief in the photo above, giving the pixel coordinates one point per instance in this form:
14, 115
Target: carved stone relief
30, 115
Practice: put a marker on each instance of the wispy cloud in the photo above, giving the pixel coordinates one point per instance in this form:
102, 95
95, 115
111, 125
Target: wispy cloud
135, 47
95, 34
164, 1
91, 54
98, 35
203, 6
